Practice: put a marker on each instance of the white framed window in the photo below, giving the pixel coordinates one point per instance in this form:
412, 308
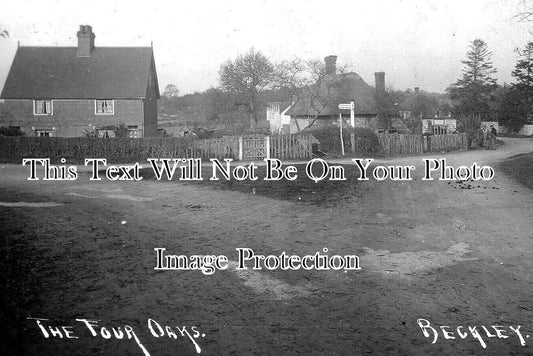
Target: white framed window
43, 133
104, 107
133, 131
103, 133
43, 107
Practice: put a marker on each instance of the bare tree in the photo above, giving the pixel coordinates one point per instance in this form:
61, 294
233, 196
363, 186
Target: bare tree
248, 76
525, 11
315, 92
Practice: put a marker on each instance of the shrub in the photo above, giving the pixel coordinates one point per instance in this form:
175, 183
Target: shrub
11, 131
366, 140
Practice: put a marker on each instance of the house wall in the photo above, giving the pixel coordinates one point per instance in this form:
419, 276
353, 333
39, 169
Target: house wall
526, 130
150, 104
428, 125
72, 118
273, 116
279, 122
297, 124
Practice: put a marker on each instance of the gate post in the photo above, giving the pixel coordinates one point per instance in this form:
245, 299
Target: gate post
267, 147
241, 148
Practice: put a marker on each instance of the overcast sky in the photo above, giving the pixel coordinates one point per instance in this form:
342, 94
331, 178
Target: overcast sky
417, 43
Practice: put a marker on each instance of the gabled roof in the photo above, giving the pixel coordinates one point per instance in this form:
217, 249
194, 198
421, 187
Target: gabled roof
334, 90
283, 105
57, 73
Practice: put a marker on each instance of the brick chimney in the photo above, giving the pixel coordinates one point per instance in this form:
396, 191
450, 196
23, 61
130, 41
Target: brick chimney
85, 41
417, 90
331, 65
380, 82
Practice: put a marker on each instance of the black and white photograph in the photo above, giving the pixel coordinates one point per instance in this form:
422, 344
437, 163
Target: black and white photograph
266, 177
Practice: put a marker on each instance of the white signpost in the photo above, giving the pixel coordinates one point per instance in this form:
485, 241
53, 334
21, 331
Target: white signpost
351, 107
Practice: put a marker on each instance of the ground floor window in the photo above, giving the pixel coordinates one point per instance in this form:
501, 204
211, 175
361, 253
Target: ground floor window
133, 131
102, 133
439, 130
43, 133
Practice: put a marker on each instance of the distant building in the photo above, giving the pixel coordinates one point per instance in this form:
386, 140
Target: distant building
438, 126
67, 91
277, 117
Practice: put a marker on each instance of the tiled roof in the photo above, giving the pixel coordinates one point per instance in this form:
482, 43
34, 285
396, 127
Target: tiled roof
57, 73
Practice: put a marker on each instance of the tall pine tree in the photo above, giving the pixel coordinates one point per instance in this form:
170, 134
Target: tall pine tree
524, 76
472, 93
517, 106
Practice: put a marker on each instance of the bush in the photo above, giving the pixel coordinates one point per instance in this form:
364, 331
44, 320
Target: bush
366, 140
11, 131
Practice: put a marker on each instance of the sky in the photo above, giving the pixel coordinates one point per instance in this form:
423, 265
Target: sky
416, 43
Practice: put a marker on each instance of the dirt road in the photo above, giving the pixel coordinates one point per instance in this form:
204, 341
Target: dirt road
454, 254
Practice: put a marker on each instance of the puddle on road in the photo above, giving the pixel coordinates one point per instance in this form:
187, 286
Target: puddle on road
30, 205
262, 283
127, 197
103, 190
81, 195
112, 196
407, 263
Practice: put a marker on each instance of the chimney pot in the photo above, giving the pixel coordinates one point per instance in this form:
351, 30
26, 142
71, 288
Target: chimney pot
380, 82
331, 65
85, 41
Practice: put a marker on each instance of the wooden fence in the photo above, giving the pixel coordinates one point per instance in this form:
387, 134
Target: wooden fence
297, 146
392, 144
225, 147
76, 149
436, 143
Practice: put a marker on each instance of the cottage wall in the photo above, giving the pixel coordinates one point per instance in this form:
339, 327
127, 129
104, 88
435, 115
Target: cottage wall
297, 124
72, 118
526, 130
150, 104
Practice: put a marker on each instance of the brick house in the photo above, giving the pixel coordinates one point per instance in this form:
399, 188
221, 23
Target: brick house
68, 91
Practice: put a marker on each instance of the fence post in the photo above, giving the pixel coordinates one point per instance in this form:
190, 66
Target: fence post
240, 148
267, 147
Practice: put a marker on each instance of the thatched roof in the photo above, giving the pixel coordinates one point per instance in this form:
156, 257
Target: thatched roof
323, 99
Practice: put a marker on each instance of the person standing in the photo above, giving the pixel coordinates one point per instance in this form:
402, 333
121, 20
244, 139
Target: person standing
493, 135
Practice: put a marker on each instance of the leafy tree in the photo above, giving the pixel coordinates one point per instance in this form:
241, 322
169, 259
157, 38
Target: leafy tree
387, 107
247, 77
512, 113
171, 91
524, 75
472, 93
517, 103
